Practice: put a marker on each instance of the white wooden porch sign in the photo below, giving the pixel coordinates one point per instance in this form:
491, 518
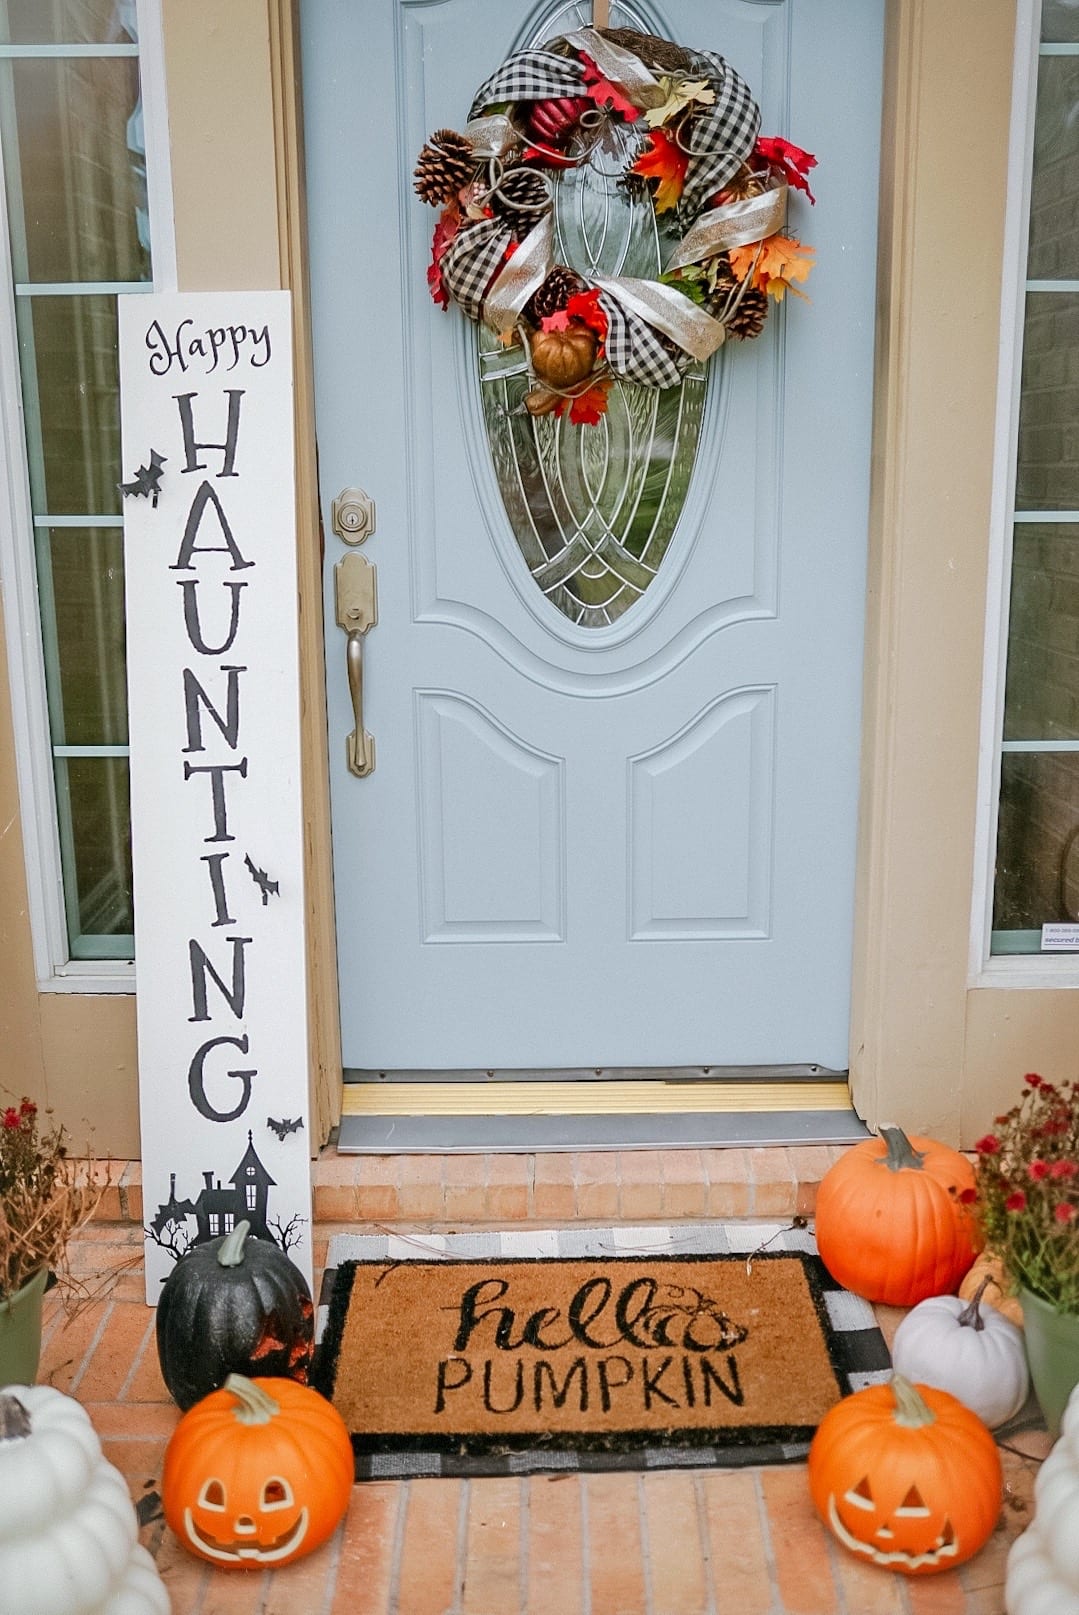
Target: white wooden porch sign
210, 558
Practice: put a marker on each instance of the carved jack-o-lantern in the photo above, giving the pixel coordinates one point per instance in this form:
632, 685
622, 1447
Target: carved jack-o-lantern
906, 1477
257, 1474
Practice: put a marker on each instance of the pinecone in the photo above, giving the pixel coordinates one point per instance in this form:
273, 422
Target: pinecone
749, 317
521, 197
446, 163
553, 295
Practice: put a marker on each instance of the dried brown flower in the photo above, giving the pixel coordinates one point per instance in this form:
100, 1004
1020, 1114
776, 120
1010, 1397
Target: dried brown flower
44, 1198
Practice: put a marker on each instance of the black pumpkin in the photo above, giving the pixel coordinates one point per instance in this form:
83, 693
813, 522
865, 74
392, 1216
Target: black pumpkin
233, 1306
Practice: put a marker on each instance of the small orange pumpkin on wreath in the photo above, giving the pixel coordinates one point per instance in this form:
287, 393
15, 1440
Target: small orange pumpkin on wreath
719, 192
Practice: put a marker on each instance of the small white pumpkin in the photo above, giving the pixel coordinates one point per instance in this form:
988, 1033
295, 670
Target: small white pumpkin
976, 1355
68, 1532
1043, 1564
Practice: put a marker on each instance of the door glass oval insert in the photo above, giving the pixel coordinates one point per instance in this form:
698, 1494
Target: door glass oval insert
593, 508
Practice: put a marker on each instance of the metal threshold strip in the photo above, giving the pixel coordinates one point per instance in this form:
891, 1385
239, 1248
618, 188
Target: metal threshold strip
644, 1113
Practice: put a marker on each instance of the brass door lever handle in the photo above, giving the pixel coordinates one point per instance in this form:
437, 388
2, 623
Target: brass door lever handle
357, 611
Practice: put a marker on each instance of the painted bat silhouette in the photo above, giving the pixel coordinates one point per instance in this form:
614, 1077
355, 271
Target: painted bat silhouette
284, 1127
146, 483
269, 888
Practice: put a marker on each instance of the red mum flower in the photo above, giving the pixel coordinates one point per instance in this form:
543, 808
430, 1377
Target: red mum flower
11, 1118
1064, 1212
1063, 1169
28, 1108
1032, 1079
967, 1197
1016, 1201
989, 1145
1038, 1169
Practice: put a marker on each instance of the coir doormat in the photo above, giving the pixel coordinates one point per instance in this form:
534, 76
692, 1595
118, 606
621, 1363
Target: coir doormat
587, 1349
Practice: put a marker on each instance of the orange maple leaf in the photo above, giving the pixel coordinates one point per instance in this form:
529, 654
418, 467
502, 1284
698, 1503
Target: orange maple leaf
587, 408
666, 162
775, 264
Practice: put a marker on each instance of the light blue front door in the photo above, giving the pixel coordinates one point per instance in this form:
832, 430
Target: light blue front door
593, 840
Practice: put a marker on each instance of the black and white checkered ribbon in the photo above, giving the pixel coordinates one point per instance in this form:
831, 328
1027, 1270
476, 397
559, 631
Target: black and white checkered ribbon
472, 261
530, 75
721, 136
635, 352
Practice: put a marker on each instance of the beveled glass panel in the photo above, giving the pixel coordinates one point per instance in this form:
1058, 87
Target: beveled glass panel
81, 573
70, 359
1060, 22
1054, 196
593, 508
76, 169
68, 22
1047, 476
95, 838
1037, 877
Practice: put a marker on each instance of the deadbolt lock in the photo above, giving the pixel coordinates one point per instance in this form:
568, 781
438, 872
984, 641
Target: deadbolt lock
352, 515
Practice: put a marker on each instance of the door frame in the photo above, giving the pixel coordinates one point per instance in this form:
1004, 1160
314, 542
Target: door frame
926, 1044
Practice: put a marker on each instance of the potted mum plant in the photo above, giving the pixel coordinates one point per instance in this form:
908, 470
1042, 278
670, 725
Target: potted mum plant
42, 1203
1027, 1199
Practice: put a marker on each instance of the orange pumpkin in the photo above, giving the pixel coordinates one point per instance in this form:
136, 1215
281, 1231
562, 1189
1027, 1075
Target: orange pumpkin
890, 1224
906, 1477
563, 358
257, 1473
998, 1293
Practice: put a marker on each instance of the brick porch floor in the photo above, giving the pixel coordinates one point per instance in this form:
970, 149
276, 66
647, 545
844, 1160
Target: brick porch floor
741, 1542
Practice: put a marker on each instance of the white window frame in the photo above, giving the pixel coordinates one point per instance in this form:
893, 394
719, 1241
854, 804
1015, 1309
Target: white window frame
985, 968
55, 970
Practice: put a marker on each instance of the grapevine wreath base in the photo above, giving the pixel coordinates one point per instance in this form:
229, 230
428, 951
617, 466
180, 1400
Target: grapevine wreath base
718, 189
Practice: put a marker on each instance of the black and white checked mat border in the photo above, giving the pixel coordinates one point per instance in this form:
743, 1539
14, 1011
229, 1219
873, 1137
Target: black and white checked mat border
861, 1355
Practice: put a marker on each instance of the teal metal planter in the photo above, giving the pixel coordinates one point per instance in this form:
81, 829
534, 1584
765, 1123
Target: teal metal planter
1053, 1352
20, 1332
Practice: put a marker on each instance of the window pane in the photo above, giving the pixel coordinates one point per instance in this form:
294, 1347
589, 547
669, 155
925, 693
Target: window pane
68, 22
81, 573
1037, 844
70, 353
1060, 21
1054, 197
1048, 471
74, 154
95, 839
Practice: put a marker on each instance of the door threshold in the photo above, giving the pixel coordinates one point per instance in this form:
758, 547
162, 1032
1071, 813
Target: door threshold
464, 1118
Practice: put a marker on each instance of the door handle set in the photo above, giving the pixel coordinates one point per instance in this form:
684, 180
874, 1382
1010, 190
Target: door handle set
356, 599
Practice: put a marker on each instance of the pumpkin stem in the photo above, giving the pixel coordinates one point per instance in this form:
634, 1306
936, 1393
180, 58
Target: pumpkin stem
231, 1250
971, 1315
256, 1407
14, 1420
911, 1409
901, 1152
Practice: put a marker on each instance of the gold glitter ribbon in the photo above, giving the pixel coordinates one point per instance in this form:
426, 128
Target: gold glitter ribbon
668, 311
523, 275
735, 224
620, 67
493, 136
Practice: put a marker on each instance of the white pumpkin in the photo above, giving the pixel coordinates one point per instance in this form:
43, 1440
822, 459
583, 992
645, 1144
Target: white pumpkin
975, 1354
1043, 1565
68, 1532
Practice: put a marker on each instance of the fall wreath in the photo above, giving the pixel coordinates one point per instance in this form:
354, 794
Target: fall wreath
718, 189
